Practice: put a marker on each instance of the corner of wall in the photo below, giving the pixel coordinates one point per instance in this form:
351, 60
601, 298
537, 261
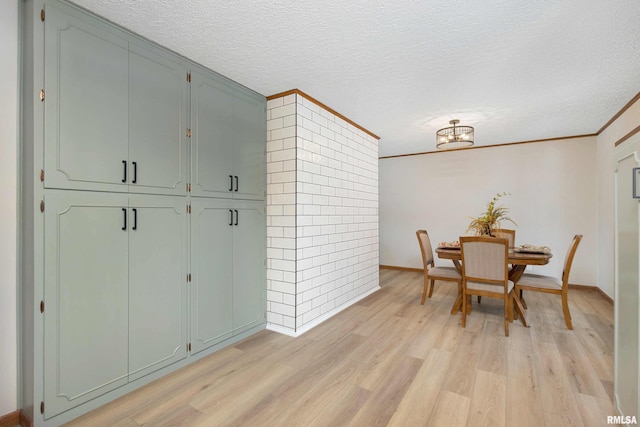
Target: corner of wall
281, 213
322, 212
9, 110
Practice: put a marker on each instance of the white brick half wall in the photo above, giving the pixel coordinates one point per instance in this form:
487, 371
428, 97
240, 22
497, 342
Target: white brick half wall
322, 213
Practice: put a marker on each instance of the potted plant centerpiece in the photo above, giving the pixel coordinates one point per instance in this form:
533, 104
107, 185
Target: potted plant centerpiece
490, 220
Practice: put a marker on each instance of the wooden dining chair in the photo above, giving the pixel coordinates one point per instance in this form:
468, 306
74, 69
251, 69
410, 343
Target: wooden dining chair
431, 272
510, 235
553, 285
485, 272
504, 233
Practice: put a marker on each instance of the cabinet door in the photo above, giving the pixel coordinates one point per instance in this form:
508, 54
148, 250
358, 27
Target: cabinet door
86, 111
157, 123
211, 272
249, 270
212, 130
86, 297
249, 146
157, 283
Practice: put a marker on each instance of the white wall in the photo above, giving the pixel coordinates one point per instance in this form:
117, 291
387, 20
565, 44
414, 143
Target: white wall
337, 213
8, 195
322, 214
553, 197
628, 121
281, 212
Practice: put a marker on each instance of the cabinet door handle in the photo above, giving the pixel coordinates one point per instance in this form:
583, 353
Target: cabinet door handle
236, 211
135, 219
135, 172
236, 183
124, 163
230, 217
230, 182
124, 216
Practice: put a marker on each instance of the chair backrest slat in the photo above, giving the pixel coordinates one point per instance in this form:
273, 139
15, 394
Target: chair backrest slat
568, 259
425, 248
504, 233
485, 259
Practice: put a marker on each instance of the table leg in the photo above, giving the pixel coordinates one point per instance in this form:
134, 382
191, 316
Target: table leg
520, 310
515, 274
457, 265
457, 305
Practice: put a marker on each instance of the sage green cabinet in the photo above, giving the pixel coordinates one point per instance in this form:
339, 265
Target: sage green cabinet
158, 93
115, 132
157, 282
228, 140
86, 292
249, 265
86, 109
115, 112
211, 272
115, 292
228, 269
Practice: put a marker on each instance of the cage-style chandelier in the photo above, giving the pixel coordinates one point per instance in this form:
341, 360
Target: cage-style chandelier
454, 137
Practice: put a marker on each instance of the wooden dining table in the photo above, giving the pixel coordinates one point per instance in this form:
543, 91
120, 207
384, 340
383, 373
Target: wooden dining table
518, 260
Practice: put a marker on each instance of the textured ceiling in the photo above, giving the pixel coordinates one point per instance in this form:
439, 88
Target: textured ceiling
516, 70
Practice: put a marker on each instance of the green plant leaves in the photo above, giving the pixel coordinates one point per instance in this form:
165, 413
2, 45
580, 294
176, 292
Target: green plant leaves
491, 219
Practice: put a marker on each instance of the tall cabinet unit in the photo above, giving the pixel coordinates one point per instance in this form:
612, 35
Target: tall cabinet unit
128, 274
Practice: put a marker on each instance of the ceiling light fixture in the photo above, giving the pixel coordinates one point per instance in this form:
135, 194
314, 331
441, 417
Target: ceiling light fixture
454, 137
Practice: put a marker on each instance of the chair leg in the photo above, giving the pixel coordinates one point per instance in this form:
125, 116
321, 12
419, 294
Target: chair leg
565, 309
457, 305
507, 314
479, 298
464, 309
524, 304
433, 284
511, 308
424, 291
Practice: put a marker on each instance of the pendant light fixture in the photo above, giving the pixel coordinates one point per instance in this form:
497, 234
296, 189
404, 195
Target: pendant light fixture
454, 136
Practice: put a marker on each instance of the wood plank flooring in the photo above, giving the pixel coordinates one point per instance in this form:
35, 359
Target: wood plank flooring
388, 360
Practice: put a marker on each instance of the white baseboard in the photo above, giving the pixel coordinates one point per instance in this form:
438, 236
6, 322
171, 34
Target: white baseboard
281, 329
315, 322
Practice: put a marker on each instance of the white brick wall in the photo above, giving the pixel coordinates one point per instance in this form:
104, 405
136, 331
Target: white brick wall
322, 212
281, 212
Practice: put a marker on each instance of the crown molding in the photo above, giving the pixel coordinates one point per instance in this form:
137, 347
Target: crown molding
320, 104
489, 146
619, 113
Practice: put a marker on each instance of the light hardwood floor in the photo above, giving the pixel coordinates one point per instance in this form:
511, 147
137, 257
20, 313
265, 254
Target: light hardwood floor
388, 360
